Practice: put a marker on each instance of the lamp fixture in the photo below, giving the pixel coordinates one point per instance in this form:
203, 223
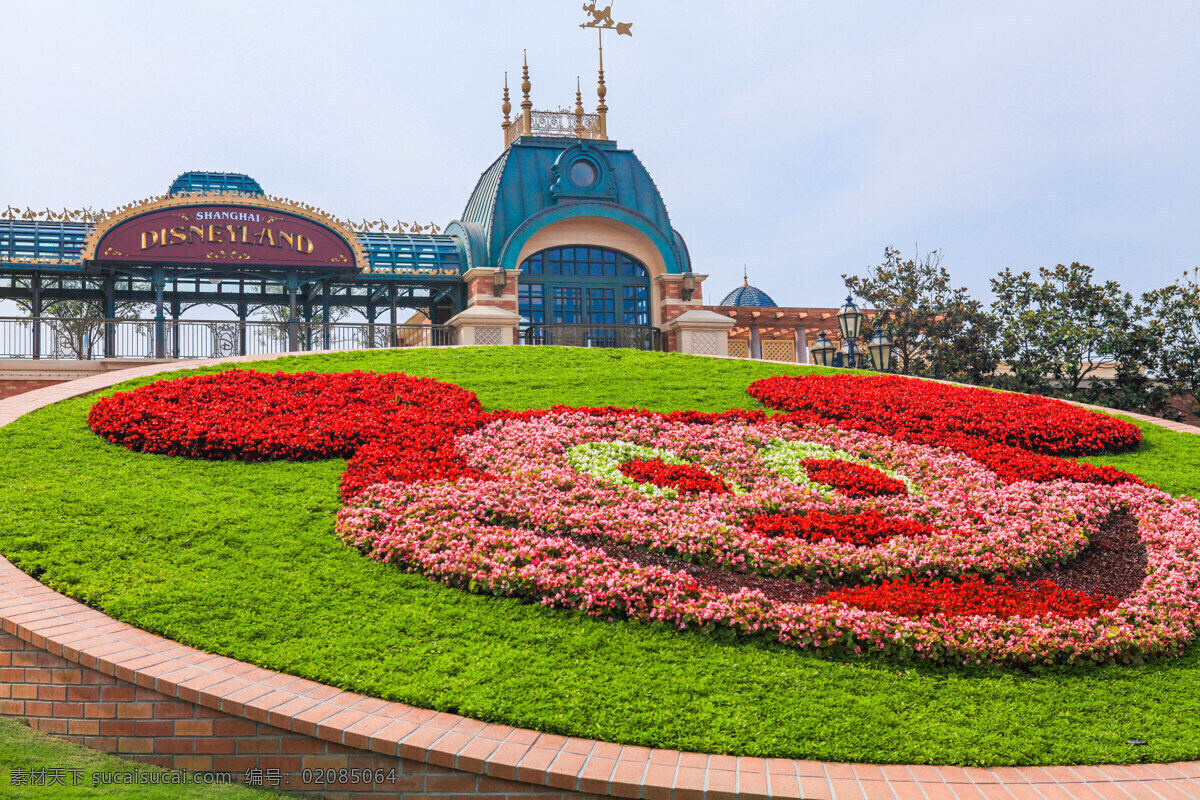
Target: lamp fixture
881, 350
823, 350
689, 284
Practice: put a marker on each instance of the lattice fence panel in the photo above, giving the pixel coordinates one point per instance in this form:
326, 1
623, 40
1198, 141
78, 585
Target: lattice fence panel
779, 350
739, 348
706, 343
488, 336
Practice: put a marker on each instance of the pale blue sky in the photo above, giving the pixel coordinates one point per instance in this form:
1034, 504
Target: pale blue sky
800, 138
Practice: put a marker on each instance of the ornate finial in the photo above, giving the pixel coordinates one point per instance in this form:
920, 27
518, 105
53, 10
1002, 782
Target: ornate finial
505, 107
578, 109
601, 91
526, 104
745, 276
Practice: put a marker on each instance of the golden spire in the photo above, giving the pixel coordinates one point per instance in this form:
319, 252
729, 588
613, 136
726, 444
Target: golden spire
601, 91
505, 107
578, 109
526, 104
745, 277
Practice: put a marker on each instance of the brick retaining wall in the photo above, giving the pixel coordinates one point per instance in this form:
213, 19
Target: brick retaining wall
8, 388
68, 700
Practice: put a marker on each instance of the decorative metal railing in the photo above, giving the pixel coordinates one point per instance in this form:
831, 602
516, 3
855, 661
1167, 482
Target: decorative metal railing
557, 123
636, 337
84, 338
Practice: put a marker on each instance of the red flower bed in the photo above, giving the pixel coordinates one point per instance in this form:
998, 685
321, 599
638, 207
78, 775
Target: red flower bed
972, 596
684, 477
391, 426
862, 530
852, 480
1015, 435
894, 403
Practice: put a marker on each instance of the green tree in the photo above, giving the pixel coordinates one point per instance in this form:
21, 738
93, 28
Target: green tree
1173, 314
937, 331
1062, 327
76, 327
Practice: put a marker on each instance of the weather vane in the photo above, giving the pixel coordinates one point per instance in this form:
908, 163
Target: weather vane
604, 21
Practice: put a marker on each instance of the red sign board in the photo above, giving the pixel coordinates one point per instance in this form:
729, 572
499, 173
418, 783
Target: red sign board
216, 234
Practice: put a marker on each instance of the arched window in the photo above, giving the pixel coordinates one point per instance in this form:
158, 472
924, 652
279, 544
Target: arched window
584, 286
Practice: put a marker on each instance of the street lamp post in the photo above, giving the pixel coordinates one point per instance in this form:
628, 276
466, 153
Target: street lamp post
822, 351
881, 350
849, 322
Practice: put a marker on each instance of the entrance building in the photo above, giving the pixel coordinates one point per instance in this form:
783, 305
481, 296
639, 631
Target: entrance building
564, 240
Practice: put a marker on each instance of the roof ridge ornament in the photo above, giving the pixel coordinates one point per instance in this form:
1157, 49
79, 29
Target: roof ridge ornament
602, 21
526, 104
506, 107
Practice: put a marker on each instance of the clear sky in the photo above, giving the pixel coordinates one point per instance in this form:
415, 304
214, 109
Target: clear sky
799, 138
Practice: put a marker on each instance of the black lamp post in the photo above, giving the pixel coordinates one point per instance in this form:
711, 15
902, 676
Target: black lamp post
849, 322
881, 350
822, 351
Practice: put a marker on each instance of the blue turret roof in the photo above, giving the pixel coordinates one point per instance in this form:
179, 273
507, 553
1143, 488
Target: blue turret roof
532, 182
747, 295
214, 182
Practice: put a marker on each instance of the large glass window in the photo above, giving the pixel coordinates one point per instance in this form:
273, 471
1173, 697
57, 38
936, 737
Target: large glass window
568, 306
532, 302
584, 286
636, 305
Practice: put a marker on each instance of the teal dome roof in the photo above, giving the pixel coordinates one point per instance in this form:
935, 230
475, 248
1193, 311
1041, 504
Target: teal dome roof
747, 295
540, 180
214, 182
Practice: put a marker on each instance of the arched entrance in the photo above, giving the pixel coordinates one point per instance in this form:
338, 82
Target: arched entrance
585, 296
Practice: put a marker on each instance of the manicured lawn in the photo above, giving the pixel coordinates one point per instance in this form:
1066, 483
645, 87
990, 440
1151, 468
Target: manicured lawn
76, 773
1169, 460
241, 559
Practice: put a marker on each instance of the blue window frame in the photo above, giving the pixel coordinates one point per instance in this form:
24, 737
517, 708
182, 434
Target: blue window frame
532, 302
584, 285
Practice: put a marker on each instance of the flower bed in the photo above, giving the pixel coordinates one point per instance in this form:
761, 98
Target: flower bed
1011, 434
391, 427
540, 504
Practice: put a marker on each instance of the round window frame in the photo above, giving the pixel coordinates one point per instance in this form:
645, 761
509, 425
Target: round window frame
596, 173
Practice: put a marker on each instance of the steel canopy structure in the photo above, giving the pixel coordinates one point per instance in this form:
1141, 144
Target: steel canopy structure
48, 258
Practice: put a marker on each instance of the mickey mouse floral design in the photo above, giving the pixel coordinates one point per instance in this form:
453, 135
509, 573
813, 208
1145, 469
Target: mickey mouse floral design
912, 546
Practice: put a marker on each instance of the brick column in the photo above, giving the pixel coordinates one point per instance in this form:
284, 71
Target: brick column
481, 288
669, 304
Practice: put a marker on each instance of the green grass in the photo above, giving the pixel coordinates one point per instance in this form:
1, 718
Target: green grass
1169, 460
241, 559
84, 774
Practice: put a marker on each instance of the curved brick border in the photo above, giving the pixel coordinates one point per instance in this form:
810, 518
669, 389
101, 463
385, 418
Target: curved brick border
76, 672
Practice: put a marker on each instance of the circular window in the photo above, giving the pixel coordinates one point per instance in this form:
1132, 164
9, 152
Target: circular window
583, 173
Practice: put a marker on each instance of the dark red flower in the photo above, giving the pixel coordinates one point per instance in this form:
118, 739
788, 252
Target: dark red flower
920, 597
863, 530
684, 477
852, 480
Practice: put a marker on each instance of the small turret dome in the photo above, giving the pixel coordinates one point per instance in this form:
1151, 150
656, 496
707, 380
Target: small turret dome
747, 295
214, 182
